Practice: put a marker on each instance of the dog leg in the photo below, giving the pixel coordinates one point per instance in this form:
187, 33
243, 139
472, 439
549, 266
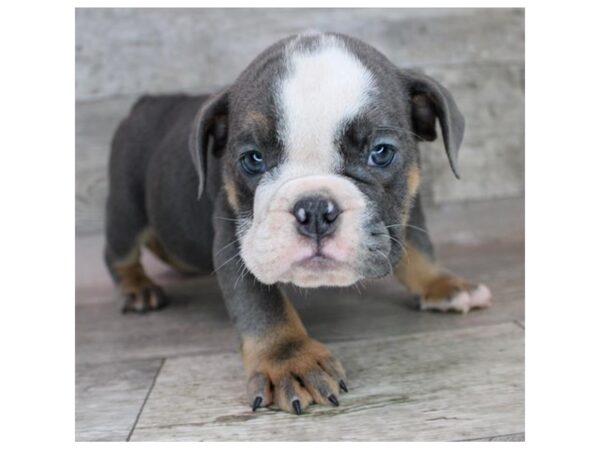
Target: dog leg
437, 288
283, 365
154, 245
125, 234
140, 294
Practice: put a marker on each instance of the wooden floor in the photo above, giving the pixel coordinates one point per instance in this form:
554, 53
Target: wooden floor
177, 374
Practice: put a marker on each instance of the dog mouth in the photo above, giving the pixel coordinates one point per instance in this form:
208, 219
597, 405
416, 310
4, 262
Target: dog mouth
319, 269
318, 263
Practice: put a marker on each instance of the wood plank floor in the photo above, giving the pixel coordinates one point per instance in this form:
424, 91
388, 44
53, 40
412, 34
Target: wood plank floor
176, 374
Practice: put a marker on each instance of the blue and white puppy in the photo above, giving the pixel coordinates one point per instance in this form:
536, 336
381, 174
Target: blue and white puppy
308, 170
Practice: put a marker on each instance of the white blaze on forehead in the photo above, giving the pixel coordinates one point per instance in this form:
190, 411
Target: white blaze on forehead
324, 88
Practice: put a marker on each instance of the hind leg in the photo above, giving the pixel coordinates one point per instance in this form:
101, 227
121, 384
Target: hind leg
124, 239
156, 247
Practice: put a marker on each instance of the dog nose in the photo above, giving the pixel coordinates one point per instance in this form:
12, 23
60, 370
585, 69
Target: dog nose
316, 216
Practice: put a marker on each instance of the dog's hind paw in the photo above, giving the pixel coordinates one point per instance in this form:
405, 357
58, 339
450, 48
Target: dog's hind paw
452, 294
148, 298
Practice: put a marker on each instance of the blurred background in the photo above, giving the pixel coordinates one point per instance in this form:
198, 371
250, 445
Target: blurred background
478, 54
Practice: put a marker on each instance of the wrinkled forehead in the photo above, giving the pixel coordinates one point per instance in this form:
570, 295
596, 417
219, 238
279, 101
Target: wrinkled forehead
305, 90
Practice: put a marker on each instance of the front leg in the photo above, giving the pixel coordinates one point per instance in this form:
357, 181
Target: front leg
284, 366
437, 288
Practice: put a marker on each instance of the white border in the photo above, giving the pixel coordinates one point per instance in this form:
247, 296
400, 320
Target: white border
37, 192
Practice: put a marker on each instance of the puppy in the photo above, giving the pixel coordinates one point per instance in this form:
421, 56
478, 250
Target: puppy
305, 170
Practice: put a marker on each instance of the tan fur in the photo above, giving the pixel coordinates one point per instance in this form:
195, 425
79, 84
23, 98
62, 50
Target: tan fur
413, 180
132, 278
130, 272
231, 193
283, 353
416, 271
444, 287
258, 119
258, 348
424, 277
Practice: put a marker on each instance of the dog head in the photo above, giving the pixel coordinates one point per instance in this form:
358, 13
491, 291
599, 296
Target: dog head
319, 144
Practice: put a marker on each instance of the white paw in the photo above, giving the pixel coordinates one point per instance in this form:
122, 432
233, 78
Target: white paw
463, 301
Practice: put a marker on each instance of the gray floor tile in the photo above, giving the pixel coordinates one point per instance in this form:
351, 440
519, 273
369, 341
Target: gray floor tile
445, 385
109, 397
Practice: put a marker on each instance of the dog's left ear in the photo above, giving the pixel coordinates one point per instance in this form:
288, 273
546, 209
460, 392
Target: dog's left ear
431, 100
209, 133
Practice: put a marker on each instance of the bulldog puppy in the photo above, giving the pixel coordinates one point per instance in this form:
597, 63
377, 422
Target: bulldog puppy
305, 170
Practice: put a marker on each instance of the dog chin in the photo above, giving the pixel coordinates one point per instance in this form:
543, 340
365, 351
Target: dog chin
309, 272
319, 271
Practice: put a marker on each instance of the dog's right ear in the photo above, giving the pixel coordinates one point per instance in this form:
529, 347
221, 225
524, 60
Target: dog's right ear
209, 133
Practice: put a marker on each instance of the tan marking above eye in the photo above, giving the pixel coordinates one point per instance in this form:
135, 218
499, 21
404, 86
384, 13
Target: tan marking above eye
258, 119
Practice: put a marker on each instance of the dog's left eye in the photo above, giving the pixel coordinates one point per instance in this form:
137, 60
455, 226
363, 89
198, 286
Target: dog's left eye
381, 155
253, 162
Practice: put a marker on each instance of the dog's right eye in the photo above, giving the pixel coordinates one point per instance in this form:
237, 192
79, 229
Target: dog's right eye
253, 163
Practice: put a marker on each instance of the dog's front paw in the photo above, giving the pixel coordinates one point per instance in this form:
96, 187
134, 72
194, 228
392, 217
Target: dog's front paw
149, 297
292, 374
450, 293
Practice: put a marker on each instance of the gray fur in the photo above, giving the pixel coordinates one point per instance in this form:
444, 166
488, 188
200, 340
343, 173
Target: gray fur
170, 156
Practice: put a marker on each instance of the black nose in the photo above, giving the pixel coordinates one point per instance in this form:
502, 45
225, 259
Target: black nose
316, 216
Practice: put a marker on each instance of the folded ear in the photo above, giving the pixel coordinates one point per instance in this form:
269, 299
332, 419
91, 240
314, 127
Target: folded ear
431, 100
209, 133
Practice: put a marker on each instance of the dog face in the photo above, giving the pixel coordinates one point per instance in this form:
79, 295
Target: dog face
319, 144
